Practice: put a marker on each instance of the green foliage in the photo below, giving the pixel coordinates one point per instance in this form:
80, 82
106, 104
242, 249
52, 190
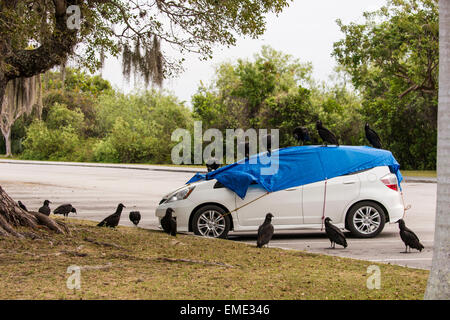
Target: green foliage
238, 96
340, 110
272, 92
128, 142
74, 101
80, 92
138, 127
100, 124
286, 112
60, 116
396, 48
56, 139
76, 81
104, 151
393, 60
43, 143
192, 26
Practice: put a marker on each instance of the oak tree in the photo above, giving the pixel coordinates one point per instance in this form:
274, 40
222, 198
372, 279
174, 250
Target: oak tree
36, 35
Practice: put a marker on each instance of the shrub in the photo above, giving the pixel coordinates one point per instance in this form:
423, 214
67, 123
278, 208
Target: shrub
43, 143
139, 127
60, 116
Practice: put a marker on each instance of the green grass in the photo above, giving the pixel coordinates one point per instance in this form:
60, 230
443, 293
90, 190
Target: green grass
137, 265
419, 173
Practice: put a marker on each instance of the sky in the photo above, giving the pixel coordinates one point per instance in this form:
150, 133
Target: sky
306, 30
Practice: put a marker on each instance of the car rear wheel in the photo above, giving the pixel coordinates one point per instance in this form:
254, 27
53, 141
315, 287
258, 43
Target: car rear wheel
366, 219
209, 221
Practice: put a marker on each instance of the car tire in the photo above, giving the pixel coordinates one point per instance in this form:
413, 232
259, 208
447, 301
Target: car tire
366, 219
209, 221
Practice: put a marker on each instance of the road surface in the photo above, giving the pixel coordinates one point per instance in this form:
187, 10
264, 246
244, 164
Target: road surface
96, 191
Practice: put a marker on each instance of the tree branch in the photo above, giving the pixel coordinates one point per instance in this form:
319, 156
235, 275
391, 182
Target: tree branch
27, 63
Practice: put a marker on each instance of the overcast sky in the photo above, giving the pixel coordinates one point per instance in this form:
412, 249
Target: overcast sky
306, 30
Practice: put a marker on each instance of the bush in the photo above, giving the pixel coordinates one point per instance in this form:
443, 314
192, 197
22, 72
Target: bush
139, 127
60, 116
105, 152
75, 102
128, 143
43, 143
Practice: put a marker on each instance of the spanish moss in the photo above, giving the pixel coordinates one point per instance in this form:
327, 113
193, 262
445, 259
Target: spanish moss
149, 65
21, 96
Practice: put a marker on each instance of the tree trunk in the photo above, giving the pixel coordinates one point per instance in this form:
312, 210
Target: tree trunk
439, 281
8, 142
12, 217
3, 83
63, 74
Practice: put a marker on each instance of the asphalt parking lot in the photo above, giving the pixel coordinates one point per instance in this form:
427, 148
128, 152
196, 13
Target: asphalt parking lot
96, 191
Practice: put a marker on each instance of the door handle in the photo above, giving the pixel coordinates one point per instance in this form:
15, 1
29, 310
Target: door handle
292, 189
350, 182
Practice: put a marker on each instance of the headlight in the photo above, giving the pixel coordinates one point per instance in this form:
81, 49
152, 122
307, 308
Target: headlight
181, 195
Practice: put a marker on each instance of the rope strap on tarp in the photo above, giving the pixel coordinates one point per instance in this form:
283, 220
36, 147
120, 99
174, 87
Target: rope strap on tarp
236, 209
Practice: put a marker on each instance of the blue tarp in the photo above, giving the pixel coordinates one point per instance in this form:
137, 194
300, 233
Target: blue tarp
296, 166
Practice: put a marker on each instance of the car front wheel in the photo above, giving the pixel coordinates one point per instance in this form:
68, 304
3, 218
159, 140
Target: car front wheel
210, 221
366, 219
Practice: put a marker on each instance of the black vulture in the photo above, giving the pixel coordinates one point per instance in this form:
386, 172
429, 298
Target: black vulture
22, 206
373, 137
65, 209
135, 217
410, 239
301, 134
265, 232
112, 220
168, 223
212, 164
334, 234
45, 209
326, 135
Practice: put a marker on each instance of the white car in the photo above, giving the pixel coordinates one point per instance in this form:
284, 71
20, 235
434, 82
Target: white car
361, 202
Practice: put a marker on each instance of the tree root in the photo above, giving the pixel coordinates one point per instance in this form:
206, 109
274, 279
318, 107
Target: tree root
64, 226
47, 222
12, 216
7, 230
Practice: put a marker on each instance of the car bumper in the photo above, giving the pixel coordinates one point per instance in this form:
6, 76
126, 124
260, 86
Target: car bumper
183, 210
396, 213
394, 205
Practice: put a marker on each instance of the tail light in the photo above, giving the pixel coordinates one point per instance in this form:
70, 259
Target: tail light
390, 181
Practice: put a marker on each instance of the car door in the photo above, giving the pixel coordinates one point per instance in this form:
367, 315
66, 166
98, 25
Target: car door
312, 204
285, 205
340, 191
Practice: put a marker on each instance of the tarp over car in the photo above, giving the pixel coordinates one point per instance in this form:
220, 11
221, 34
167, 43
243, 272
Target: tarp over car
296, 166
